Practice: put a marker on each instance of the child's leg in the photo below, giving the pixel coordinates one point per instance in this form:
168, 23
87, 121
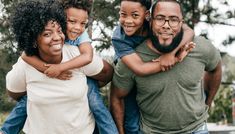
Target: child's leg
101, 114
16, 119
132, 115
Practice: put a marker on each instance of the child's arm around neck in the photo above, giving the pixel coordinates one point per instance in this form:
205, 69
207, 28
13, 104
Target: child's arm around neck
164, 63
86, 55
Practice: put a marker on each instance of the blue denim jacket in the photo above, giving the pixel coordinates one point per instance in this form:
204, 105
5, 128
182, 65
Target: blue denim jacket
84, 37
123, 44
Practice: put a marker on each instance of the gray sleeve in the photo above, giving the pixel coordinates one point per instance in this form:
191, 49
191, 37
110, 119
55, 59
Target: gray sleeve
123, 77
213, 58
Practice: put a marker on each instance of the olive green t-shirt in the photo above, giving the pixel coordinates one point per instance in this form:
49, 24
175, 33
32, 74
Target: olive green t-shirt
171, 101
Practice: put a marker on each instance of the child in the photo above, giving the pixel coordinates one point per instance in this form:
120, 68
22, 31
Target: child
133, 30
77, 18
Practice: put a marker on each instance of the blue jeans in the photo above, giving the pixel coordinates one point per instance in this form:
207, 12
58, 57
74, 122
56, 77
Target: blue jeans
104, 121
103, 118
132, 115
16, 119
201, 130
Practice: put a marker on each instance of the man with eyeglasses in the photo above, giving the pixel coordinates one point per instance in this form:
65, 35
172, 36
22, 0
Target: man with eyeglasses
171, 102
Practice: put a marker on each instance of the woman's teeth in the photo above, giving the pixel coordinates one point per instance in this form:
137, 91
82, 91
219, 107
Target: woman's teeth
56, 47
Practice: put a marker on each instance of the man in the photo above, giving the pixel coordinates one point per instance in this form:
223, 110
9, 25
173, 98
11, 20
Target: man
172, 101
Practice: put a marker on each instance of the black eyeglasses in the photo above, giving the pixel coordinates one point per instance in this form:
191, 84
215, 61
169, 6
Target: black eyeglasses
173, 21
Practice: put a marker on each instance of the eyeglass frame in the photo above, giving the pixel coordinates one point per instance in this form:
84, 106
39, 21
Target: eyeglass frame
168, 19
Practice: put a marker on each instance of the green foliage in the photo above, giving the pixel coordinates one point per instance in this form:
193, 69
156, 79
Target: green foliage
3, 116
222, 109
105, 18
5, 65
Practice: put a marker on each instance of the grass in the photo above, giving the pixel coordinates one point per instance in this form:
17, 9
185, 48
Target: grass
3, 116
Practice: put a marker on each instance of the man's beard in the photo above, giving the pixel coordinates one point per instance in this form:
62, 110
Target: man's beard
166, 49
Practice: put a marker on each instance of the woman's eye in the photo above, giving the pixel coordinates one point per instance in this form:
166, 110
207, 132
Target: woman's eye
46, 34
60, 31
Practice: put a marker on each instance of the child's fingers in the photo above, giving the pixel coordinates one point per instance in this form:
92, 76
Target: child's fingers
47, 65
190, 46
65, 77
48, 74
156, 60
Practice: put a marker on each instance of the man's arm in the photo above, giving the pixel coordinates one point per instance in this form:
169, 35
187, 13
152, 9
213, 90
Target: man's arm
212, 81
117, 107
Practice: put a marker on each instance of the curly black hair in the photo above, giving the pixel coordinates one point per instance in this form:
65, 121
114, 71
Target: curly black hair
79, 4
29, 20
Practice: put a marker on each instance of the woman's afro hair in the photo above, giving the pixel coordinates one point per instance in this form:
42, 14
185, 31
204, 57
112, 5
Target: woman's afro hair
30, 18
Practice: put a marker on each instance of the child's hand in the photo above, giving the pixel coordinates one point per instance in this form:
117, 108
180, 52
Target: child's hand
163, 68
185, 50
66, 75
53, 70
167, 61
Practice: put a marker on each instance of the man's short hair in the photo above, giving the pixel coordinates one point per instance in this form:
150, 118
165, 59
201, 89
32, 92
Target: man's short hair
174, 1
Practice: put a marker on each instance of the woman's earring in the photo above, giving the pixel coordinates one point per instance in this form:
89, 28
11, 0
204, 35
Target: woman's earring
35, 45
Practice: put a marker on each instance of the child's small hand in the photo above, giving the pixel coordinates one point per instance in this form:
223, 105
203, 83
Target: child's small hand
163, 67
167, 61
66, 75
185, 50
53, 70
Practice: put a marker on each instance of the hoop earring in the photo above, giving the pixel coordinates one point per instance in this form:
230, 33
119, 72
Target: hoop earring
35, 45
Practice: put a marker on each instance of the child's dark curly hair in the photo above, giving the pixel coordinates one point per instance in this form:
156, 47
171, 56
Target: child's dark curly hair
79, 4
29, 20
146, 3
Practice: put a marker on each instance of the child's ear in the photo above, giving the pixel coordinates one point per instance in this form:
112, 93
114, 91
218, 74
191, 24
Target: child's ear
147, 15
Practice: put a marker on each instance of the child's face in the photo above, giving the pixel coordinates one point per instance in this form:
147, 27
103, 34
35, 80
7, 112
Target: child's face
132, 16
76, 22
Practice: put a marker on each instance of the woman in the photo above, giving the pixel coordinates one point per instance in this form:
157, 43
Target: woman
53, 106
